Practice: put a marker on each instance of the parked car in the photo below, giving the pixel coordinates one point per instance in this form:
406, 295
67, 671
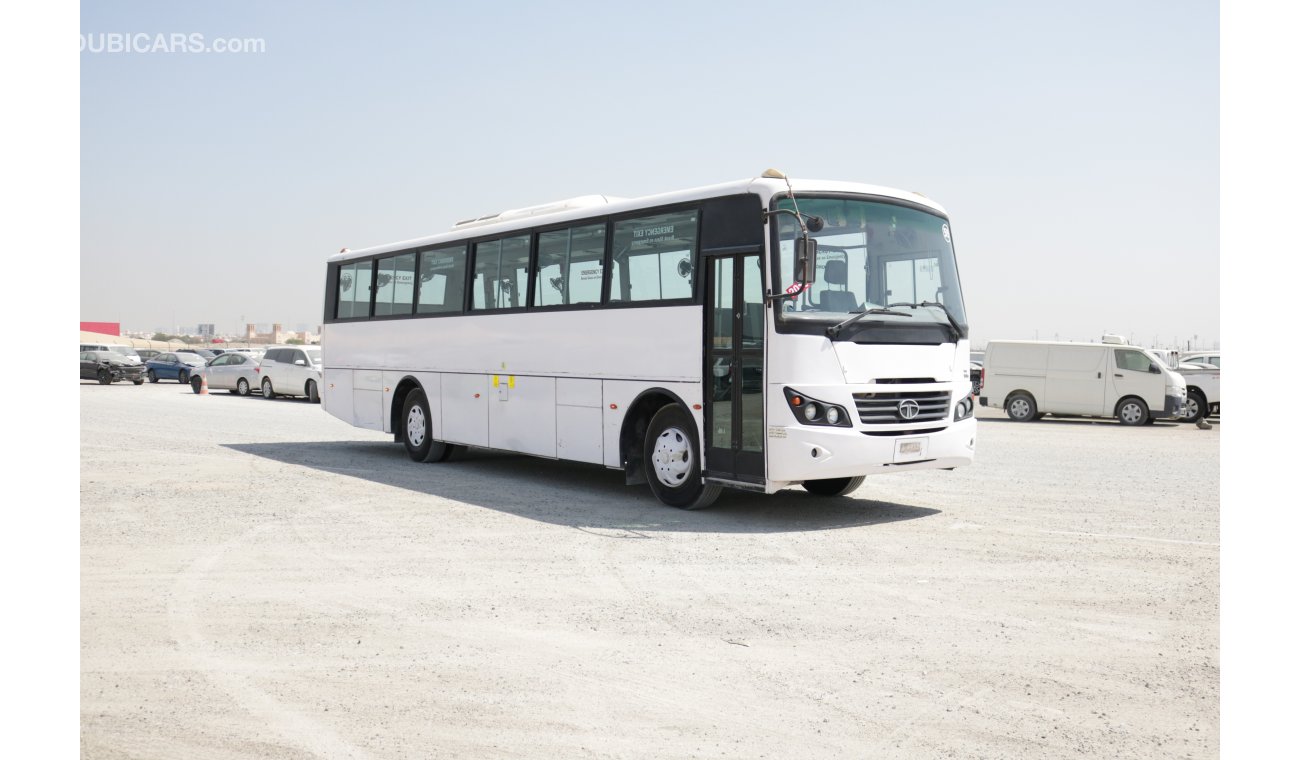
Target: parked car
130, 353
1110, 379
109, 367
203, 352
1202, 390
293, 371
976, 376
173, 365
1201, 357
146, 354
232, 371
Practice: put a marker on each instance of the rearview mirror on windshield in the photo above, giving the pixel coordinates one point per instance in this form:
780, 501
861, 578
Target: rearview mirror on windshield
805, 260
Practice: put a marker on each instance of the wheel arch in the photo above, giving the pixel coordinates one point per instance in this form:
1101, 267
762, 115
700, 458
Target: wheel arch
1115, 412
1017, 392
636, 420
400, 392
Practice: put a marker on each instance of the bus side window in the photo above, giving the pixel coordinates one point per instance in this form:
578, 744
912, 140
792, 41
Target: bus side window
501, 273
570, 265
442, 281
654, 257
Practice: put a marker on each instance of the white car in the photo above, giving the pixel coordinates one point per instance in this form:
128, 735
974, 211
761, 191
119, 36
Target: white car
1200, 357
292, 371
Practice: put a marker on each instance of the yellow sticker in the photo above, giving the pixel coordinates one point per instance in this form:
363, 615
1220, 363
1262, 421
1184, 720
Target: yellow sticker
496, 381
512, 381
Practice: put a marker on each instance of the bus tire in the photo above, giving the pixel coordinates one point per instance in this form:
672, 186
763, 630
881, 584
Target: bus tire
1021, 407
834, 486
417, 430
672, 461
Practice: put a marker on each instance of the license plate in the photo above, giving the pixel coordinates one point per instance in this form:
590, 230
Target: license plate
909, 449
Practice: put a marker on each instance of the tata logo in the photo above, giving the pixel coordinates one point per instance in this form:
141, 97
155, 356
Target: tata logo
908, 409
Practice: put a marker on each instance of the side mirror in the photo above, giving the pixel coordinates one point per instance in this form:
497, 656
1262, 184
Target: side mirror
1153, 369
805, 260
302, 363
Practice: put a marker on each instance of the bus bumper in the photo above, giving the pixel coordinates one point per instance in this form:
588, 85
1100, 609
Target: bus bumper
796, 453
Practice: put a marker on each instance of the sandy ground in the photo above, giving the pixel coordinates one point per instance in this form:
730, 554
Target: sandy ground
260, 580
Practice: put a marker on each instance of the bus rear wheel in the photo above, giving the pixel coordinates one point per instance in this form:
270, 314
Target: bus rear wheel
417, 430
672, 461
833, 486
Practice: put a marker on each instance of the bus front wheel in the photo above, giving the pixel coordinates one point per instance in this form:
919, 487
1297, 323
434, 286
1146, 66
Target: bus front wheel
833, 486
417, 430
672, 461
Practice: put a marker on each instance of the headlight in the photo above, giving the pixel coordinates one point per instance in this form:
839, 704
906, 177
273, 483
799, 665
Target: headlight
810, 411
965, 408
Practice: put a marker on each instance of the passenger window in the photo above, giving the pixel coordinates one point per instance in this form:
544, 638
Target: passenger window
1135, 361
395, 285
570, 266
500, 274
354, 290
654, 257
442, 281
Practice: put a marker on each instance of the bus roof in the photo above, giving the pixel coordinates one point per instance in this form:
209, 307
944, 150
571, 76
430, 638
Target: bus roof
600, 205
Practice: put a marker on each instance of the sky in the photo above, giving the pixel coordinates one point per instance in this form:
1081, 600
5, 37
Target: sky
1075, 146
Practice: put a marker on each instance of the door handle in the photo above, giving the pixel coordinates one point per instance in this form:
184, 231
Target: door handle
1118, 375
1098, 375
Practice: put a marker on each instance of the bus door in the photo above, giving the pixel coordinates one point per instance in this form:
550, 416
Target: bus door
733, 393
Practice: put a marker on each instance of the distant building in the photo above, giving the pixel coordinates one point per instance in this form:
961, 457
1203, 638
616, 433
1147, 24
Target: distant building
207, 330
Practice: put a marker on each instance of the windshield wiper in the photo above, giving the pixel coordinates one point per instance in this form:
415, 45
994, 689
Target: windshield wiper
956, 328
833, 331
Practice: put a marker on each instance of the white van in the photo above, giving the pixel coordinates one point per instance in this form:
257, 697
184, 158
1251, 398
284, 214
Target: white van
1112, 379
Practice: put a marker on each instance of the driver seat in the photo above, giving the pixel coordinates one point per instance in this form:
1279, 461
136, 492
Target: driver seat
837, 273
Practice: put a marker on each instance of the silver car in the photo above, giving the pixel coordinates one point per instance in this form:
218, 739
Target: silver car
235, 372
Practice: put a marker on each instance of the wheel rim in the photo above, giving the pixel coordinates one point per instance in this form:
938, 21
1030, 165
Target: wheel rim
672, 457
1130, 413
1193, 408
266, 387
1019, 408
242, 387
415, 421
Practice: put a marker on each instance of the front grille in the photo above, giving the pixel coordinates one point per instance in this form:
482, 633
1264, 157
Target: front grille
882, 408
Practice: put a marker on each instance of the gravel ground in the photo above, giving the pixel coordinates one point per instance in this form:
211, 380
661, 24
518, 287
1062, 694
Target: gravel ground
261, 580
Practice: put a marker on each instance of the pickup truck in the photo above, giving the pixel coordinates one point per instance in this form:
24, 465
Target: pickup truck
1202, 389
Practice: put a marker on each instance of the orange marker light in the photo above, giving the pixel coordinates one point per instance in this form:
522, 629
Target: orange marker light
696, 406
475, 395
613, 406
796, 401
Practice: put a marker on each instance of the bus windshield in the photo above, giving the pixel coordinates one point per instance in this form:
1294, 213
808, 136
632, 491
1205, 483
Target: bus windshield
871, 255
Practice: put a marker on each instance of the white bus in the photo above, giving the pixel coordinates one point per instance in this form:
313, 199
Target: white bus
674, 337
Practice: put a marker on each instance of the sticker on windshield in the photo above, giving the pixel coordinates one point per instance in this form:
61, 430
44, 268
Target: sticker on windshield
795, 288
947, 236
